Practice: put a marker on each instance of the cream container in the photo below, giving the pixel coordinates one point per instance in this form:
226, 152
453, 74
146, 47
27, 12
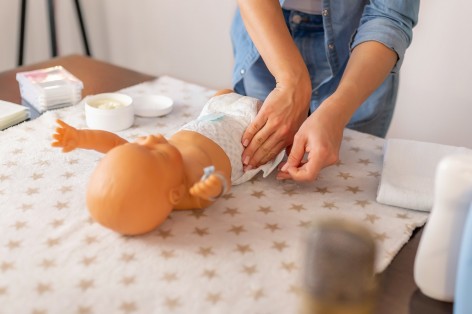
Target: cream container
109, 111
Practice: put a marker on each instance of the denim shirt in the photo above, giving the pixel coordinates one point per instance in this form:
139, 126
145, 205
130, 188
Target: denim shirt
347, 23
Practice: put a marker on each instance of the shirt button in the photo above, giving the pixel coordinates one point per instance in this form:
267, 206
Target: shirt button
330, 46
296, 19
325, 12
242, 71
316, 93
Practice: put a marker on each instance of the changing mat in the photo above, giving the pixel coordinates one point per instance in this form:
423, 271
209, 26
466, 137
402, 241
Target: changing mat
241, 255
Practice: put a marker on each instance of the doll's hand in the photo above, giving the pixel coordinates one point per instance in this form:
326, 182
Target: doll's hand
66, 137
209, 188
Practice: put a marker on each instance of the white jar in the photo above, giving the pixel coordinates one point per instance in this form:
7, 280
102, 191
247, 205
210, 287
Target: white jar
109, 111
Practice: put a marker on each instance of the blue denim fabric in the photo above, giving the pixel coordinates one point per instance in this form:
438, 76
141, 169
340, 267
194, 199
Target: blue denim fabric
325, 42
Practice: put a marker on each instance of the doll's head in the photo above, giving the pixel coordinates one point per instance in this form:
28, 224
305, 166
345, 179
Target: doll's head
136, 185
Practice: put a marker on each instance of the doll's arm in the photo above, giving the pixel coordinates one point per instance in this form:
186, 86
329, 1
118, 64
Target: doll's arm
211, 186
223, 91
69, 138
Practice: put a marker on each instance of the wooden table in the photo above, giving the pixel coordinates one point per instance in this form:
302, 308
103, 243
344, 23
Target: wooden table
97, 76
398, 293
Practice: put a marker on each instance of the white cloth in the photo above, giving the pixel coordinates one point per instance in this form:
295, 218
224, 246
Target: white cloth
224, 119
408, 172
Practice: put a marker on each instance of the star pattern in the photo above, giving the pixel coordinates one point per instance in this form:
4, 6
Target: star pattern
128, 307
168, 254
213, 297
172, 303
265, 209
201, 231
20, 225
353, 189
13, 244
297, 207
169, 277
237, 229
127, 280
42, 288
372, 218
47, 263
258, 194
214, 260
210, 273
290, 192
87, 261
243, 248
272, 227
164, 234
279, 246
85, 284
322, 190
205, 251
231, 211
249, 270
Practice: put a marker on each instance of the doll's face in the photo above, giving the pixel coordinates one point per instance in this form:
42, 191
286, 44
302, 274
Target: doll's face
131, 191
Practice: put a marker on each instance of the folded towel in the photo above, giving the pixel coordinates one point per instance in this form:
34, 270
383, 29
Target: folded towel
11, 114
408, 172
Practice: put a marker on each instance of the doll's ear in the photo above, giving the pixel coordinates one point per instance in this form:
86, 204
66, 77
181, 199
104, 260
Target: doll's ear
176, 194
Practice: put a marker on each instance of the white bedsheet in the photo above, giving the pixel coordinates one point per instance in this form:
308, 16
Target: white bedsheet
242, 255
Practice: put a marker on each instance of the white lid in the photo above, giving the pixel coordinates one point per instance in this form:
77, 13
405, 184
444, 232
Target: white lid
152, 105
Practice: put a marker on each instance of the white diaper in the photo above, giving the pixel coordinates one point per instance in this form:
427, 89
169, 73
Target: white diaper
224, 119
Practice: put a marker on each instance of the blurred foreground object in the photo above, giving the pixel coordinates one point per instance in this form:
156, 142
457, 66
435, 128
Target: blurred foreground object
339, 269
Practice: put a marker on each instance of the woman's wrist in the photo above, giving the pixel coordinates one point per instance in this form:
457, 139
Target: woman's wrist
297, 83
338, 109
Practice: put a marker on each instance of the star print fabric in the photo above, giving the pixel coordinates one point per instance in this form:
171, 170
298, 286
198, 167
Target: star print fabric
241, 255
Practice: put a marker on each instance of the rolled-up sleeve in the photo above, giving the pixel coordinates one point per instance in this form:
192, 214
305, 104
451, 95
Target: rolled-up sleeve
389, 22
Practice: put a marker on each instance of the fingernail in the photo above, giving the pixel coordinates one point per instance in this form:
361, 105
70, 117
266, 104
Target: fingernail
246, 143
284, 168
246, 160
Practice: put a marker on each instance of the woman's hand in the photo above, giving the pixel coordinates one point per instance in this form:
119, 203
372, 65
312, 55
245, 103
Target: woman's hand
286, 107
274, 127
320, 138
66, 137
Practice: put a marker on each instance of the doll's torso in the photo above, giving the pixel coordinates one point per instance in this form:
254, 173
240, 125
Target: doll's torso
198, 152
224, 120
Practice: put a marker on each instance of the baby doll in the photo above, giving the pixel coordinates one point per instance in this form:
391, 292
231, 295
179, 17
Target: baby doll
136, 185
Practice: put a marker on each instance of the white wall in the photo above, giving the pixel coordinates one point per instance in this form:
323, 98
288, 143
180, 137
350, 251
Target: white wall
190, 40
435, 98
186, 39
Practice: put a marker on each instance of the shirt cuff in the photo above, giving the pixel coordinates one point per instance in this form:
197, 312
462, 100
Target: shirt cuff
384, 31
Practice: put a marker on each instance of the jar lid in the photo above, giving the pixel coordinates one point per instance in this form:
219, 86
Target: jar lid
152, 105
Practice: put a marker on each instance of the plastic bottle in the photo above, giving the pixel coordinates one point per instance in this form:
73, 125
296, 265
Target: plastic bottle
463, 295
435, 267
